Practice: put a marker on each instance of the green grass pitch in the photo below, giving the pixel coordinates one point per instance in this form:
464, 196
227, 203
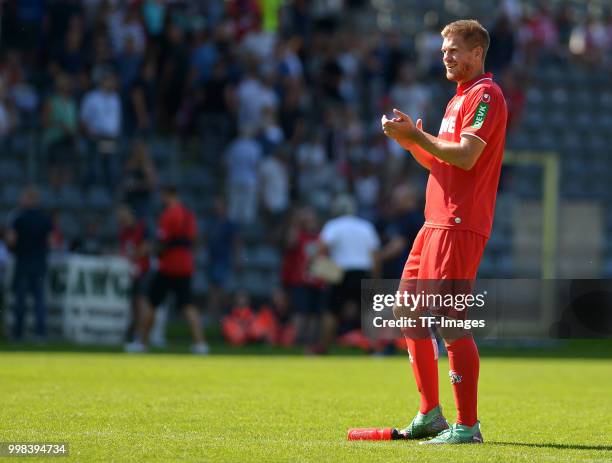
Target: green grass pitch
235, 408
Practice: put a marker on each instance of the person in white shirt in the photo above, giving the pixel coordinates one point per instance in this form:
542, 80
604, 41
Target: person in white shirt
274, 184
254, 94
351, 243
242, 160
100, 117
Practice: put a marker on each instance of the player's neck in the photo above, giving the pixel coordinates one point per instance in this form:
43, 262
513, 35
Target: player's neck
477, 72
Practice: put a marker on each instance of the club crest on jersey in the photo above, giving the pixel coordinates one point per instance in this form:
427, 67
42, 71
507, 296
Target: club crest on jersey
486, 98
454, 377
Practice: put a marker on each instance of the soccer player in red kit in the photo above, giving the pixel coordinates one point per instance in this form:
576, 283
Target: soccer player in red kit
464, 161
177, 232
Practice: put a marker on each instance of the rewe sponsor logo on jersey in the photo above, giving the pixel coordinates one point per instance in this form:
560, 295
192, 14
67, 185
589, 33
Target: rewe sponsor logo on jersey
448, 124
479, 117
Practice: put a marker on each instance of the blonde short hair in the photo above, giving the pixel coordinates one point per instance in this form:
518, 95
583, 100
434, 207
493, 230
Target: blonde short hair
473, 33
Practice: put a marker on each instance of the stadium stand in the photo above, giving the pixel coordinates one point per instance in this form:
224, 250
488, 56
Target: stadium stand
297, 72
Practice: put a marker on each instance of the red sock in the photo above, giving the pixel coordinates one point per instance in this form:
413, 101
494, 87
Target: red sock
464, 367
424, 360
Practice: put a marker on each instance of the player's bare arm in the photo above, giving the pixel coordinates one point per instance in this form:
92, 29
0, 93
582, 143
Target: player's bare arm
408, 134
419, 154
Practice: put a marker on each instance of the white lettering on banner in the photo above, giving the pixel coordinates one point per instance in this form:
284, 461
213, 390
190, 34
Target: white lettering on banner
98, 288
87, 299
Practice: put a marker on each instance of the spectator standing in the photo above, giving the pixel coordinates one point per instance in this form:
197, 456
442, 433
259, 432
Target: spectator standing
274, 177
223, 245
59, 136
217, 103
134, 245
177, 231
140, 180
65, 17
129, 63
70, 56
367, 190
306, 294
501, 50
22, 94
125, 26
140, 104
173, 68
400, 231
254, 93
102, 57
515, 97
242, 162
203, 58
271, 134
101, 120
312, 167
540, 36
29, 238
351, 243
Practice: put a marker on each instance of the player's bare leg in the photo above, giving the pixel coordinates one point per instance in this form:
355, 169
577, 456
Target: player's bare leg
422, 349
464, 369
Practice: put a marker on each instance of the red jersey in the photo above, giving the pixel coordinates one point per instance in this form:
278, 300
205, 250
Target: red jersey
130, 239
295, 261
465, 200
176, 232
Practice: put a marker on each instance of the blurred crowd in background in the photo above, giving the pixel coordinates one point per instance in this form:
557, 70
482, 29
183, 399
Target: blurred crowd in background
277, 105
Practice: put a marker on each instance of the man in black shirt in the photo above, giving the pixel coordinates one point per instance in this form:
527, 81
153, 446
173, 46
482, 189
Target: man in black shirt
29, 238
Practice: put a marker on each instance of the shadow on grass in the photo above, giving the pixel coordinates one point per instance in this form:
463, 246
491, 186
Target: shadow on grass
607, 448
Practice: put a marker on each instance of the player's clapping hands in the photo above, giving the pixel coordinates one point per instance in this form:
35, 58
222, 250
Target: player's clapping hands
401, 127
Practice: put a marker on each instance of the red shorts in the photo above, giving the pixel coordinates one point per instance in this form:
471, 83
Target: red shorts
442, 262
441, 254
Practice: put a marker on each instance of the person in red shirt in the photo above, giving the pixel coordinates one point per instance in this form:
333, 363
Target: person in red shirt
176, 234
464, 161
134, 245
306, 293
